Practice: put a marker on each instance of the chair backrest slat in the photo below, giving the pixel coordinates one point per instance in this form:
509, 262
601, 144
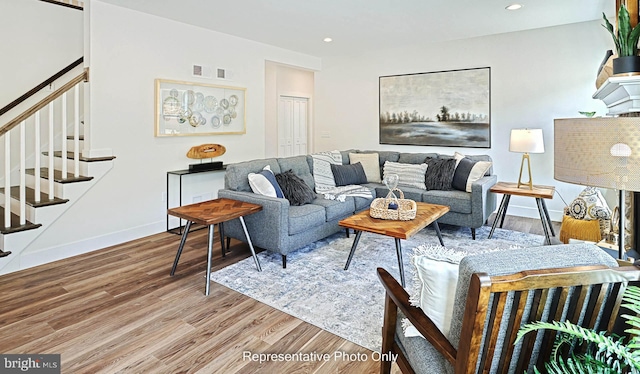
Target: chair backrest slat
498, 306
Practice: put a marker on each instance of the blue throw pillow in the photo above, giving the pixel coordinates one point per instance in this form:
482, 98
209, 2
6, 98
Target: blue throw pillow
345, 175
264, 183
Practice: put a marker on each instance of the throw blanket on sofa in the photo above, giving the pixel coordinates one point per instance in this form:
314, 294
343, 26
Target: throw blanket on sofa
322, 174
341, 193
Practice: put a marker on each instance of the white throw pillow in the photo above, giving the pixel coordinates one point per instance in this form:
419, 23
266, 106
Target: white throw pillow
264, 183
370, 163
411, 175
322, 174
434, 286
590, 205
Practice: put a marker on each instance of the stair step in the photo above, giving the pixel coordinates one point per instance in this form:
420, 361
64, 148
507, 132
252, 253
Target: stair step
57, 176
31, 197
82, 158
71, 137
15, 224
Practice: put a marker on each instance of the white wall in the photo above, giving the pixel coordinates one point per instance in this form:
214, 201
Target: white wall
128, 51
39, 39
536, 76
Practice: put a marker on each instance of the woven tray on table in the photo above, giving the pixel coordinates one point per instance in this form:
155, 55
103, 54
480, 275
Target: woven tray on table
406, 211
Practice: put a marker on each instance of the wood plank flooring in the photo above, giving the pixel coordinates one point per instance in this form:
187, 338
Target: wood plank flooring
117, 310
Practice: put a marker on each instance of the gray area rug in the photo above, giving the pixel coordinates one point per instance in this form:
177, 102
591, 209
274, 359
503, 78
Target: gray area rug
315, 288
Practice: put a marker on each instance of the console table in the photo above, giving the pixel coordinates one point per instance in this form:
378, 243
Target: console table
538, 192
180, 174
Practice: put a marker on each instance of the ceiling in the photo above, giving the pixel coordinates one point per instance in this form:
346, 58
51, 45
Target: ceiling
365, 25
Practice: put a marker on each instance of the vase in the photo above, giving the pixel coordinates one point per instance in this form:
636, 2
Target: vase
626, 64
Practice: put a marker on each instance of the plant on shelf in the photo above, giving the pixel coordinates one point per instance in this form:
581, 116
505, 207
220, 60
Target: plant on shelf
626, 41
604, 353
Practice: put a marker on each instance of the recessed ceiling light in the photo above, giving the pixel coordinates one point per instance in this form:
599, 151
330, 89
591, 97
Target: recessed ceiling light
328, 40
514, 7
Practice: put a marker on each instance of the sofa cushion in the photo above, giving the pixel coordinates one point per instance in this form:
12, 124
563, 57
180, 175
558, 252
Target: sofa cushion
415, 158
345, 155
589, 205
335, 209
294, 188
300, 167
346, 175
301, 218
472, 158
411, 175
264, 183
370, 163
457, 201
235, 178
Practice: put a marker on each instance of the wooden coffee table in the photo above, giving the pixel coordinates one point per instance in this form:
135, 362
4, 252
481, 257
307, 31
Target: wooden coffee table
427, 214
210, 213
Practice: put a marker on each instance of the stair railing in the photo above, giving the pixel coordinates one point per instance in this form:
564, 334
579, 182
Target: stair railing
21, 123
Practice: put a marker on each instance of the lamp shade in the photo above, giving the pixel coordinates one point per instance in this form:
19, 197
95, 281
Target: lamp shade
526, 141
599, 152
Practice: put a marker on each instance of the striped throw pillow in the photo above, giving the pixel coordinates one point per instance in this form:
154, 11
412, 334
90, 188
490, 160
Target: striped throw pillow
411, 175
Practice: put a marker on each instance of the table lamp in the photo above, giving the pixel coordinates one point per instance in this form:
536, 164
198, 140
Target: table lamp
599, 152
526, 141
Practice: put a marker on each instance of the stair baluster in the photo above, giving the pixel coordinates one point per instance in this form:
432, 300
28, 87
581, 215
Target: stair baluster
23, 167
76, 131
36, 136
51, 144
64, 133
7, 179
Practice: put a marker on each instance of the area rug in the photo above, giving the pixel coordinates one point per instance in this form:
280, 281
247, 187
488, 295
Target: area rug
315, 288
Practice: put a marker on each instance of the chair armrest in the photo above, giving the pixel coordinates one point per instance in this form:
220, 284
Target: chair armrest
420, 321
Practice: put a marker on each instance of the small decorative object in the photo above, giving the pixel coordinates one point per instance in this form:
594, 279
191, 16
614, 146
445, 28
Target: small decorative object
526, 141
393, 205
626, 41
405, 210
588, 114
203, 151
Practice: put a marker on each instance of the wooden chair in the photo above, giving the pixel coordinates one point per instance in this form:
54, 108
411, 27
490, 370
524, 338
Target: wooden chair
496, 306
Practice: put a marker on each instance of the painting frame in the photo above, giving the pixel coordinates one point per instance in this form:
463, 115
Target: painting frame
448, 108
198, 109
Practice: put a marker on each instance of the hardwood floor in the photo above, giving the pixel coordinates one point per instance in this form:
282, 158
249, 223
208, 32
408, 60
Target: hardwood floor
117, 310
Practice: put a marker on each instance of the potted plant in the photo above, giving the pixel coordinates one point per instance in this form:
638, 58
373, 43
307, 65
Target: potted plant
605, 353
626, 41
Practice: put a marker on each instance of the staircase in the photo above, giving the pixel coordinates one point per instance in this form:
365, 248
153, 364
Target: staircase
43, 170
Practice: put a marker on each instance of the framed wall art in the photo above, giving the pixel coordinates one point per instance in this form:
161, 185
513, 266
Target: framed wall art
189, 109
445, 108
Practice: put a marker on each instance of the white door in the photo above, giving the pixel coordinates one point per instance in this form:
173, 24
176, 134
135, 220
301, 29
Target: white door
293, 114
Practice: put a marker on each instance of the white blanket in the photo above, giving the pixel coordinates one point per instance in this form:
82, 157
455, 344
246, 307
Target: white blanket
341, 193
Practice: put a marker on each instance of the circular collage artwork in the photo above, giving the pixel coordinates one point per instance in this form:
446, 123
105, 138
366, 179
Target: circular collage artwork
198, 110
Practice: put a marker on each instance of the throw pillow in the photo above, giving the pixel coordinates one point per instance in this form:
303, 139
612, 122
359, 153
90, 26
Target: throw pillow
322, 174
467, 172
434, 286
370, 163
346, 175
294, 188
590, 205
411, 175
264, 183
439, 174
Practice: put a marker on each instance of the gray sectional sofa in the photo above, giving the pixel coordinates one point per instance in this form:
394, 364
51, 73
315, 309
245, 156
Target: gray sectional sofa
283, 228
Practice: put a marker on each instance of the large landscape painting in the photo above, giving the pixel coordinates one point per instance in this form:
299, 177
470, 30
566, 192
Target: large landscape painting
445, 108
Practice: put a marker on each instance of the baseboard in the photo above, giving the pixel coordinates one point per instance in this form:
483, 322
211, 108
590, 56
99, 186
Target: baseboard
67, 250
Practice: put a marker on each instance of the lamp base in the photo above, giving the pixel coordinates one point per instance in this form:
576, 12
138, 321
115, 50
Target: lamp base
520, 182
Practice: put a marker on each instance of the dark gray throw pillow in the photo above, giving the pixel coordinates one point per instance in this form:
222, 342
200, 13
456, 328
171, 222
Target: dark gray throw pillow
439, 175
462, 174
345, 175
294, 188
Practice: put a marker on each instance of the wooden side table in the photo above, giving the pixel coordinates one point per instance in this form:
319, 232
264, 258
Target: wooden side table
210, 213
538, 192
